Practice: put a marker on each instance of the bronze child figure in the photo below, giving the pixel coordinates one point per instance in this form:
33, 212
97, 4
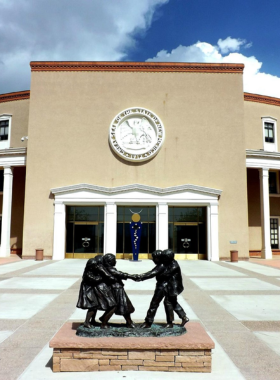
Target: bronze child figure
124, 305
169, 286
95, 292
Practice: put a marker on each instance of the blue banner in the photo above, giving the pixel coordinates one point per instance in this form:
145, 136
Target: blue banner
135, 233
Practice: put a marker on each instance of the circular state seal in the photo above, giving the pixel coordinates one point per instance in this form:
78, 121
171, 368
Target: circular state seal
136, 134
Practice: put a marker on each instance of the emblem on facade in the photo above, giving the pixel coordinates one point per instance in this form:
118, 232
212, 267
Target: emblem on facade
136, 134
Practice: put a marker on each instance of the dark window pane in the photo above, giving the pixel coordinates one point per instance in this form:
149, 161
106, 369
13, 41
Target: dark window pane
272, 182
101, 237
127, 239
86, 214
152, 237
70, 212
1, 179
120, 228
170, 235
69, 237
152, 214
269, 132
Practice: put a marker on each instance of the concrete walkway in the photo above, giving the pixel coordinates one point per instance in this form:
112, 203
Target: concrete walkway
237, 303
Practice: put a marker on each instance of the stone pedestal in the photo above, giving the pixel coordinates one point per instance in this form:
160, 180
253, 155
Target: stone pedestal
190, 352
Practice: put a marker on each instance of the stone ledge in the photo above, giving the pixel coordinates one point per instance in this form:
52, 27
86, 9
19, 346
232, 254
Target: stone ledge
190, 352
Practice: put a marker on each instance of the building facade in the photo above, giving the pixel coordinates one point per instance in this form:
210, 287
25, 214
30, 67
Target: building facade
178, 144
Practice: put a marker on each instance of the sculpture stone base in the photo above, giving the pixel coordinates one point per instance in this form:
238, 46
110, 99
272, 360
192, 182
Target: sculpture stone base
190, 352
121, 331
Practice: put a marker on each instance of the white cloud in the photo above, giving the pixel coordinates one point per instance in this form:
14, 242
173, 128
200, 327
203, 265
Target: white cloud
66, 30
255, 81
230, 44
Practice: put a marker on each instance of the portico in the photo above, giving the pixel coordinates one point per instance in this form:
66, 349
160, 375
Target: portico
265, 162
137, 195
9, 159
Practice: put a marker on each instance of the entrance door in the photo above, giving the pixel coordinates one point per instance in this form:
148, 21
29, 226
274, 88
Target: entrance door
85, 238
84, 231
186, 237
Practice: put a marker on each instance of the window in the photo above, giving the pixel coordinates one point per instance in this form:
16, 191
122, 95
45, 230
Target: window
273, 181
269, 134
274, 233
5, 130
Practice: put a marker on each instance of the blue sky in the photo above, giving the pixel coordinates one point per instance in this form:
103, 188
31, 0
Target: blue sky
246, 31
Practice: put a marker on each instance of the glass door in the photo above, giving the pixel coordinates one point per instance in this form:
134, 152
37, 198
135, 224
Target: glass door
84, 231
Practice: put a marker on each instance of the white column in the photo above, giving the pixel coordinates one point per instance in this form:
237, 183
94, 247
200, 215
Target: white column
162, 226
110, 235
59, 233
265, 214
213, 228
7, 212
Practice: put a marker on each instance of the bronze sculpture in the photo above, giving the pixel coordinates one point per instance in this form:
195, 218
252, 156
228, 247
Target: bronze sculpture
102, 288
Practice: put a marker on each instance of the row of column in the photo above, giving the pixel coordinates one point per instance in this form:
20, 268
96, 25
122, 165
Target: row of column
110, 229
265, 213
5, 250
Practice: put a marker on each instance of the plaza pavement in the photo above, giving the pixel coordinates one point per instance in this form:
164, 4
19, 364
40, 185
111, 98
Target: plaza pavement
237, 303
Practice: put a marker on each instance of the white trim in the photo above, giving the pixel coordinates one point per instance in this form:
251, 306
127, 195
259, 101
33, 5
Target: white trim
270, 147
136, 195
134, 187
6, 212
259, 159
265, 211
13, 157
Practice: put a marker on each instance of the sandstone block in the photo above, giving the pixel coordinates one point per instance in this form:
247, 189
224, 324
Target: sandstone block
123, 357
165, 358
142, 368
191, 352
83, 355
204, 359
110, 368
129, 368
186, 359
104, 362
148, 355
56, 360
153, 363
76, 365
196, 369
111, 352
91, 351
127, 362
194, 364
56, 367
65, 354
169, 352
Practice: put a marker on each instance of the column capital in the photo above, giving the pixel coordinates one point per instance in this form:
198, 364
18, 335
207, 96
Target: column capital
263, 172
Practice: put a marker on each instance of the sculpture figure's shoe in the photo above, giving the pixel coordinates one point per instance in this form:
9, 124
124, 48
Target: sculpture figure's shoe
169, 326
87, 325
130, 325
184, 321
104, 326
145, 325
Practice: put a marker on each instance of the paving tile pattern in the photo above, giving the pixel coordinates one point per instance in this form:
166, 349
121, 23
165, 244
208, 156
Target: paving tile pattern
243, 350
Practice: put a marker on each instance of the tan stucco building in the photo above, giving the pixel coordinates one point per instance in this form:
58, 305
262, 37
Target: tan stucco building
179, 144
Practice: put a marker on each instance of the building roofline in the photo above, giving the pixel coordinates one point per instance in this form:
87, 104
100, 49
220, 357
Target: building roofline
261, 99
138, 66
12, 96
